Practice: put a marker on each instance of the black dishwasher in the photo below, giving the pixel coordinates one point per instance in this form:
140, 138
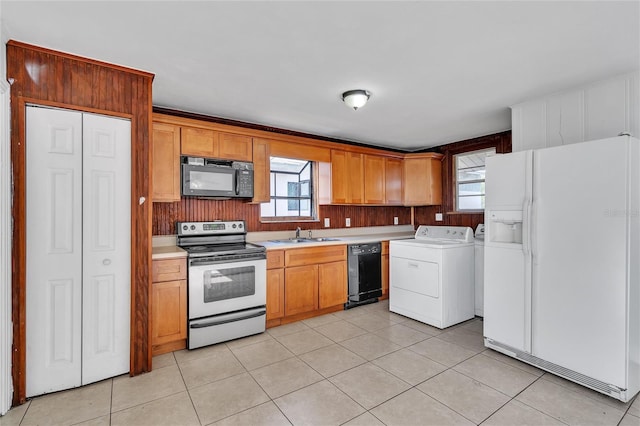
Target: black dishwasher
365, 274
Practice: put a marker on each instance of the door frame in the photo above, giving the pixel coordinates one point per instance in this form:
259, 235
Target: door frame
19, 238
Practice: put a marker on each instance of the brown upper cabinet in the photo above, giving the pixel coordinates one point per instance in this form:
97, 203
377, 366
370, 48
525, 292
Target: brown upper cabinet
365, 179
393, 181
374, 179
165, 170
422, 179
347, 174
261, 171
347, 180
214, 144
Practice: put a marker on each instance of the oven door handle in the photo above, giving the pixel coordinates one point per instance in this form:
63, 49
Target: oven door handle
225, 319
201, 262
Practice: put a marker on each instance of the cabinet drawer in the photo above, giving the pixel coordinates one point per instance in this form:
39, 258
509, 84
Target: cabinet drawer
315, 255
275, 259
169, 270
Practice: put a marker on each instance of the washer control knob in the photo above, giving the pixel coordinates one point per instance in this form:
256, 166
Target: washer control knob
193, 227
185, 227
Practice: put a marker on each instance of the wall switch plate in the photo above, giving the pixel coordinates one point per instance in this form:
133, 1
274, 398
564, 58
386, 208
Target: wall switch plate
395, 220
439, 217
347, 222
327, 222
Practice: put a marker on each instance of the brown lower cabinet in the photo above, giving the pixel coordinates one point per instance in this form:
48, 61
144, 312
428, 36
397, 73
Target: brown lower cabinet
169, 305
304, 282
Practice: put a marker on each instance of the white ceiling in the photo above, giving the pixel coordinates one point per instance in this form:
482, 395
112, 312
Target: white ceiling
438, 72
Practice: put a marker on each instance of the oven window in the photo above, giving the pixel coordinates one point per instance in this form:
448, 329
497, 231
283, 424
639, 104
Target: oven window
229, 283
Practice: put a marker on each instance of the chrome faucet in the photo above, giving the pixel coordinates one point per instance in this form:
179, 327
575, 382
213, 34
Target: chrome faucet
298, 232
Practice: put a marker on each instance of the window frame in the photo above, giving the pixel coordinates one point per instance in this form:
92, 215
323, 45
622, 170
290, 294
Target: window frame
313, 199
456, 183
500, 141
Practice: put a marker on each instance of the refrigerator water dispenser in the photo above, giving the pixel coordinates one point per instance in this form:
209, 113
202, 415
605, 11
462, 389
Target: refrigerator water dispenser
505, 227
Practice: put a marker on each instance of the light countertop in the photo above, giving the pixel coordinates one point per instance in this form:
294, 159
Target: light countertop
167, 252
352, 239
164, 247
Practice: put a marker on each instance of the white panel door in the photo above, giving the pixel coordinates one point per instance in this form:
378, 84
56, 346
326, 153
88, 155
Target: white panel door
580, 257
107, 247
54, 249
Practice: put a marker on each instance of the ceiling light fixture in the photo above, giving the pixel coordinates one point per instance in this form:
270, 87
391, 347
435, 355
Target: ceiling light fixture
355, 98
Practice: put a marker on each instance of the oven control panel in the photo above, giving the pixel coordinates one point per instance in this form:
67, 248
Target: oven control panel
215, 227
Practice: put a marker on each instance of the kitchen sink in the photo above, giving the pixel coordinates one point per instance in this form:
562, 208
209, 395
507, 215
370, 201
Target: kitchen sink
304, 240
292, 240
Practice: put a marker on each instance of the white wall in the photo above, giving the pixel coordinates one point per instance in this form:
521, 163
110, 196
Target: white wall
599, 110
6, 388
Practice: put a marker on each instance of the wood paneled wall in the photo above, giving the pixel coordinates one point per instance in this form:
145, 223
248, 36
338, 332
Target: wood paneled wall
42, 76
165, 215
426, 215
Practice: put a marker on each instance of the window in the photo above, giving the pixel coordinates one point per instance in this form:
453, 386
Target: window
291, 190
469, 176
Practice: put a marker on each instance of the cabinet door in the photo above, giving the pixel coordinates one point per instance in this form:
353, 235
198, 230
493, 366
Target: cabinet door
261, 171
374, 179
392, 181
166, 162
332, 284
235, 147
275, 293
422, 181
169, 312
355, 175
339, 181
199, 142
301, 289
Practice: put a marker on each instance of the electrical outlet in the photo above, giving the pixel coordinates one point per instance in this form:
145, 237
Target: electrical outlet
347, 222
327, 222
395, 220
439, 217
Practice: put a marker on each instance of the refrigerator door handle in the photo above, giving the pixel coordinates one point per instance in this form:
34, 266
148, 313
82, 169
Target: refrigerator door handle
526, 216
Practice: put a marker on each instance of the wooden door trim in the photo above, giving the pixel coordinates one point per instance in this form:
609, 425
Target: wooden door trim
19, 247
53, 104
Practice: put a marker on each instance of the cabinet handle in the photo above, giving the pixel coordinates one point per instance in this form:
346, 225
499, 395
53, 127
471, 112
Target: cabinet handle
106, 262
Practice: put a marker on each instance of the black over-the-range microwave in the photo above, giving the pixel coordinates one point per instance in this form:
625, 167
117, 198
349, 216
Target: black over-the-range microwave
214, 178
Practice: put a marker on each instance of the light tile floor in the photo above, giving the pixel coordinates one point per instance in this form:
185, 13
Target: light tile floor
364, 366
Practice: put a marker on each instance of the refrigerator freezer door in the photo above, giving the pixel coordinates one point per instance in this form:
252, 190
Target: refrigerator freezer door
579, 241
507, 275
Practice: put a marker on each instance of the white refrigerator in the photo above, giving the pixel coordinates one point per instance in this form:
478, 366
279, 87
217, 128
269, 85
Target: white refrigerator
562, 261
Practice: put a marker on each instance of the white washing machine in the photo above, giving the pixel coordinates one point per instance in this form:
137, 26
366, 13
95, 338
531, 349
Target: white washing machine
431, 276
479, 275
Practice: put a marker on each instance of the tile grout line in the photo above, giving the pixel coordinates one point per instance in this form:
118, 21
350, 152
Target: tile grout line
186, 388
534, 408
